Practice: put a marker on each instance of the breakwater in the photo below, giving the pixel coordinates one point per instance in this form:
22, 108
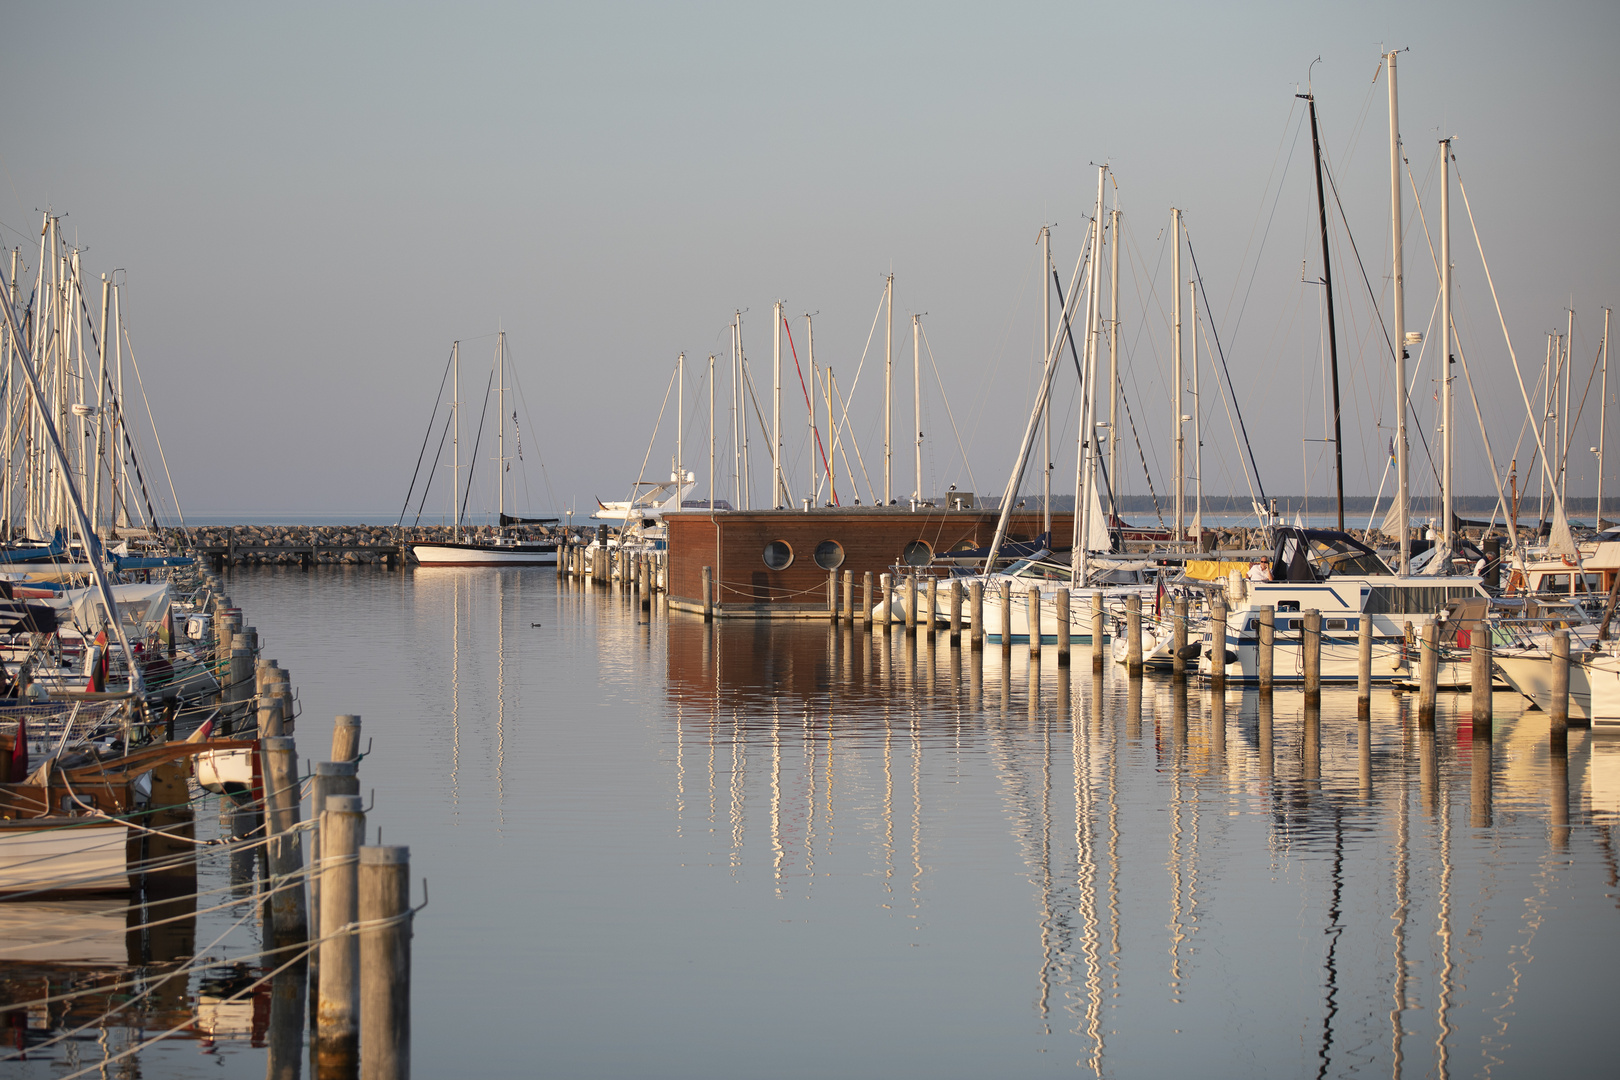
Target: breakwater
309, 545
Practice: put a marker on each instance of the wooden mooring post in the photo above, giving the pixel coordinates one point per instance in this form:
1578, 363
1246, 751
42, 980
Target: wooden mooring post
1061, 613
866, 600
1033, 618
385, 963
956, 613
289, 916
1480, 675
346, 738
708, 594
1006, 616
832, 596
1097, 634
933, 607
337, 1011
1178, 637
849, 598
1265, 646
975, 616
1558, 714
1364, 643
1133, 636
1311, 662
1217, 644
1428, 672
911, 605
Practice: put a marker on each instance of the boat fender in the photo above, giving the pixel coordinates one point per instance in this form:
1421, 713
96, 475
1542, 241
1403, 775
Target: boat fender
1231, 657
1191, 650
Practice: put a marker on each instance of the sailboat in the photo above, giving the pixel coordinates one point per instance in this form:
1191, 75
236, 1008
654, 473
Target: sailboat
500, 549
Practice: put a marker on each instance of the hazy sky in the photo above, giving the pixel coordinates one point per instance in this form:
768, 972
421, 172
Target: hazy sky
311, 202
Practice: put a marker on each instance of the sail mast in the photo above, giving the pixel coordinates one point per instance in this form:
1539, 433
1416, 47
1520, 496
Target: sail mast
500, 434
1179, 460
1603, 416
1332, 334
1087, 449
916, 399
1448, 446
455, 439
778, 487
1198, 431
1403, 486
1046, 347
888, 392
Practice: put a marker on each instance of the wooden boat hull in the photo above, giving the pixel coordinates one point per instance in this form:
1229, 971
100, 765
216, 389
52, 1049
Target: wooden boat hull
1594, 686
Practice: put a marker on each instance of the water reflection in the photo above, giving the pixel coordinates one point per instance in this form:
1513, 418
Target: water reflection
1355, 818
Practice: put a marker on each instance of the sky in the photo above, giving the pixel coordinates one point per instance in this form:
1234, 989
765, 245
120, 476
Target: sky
308, 203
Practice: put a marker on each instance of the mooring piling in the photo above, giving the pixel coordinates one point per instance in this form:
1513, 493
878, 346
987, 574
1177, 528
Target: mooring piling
385, 963
1061, 614
976, 616
1096, 631
1428, 672
1133, 635
1364, 641
1310, 640
1265, 646
343, 825
1034, 620
1178, 638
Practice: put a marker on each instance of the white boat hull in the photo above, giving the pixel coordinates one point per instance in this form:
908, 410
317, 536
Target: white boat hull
63, 855
1594, 686
485, 554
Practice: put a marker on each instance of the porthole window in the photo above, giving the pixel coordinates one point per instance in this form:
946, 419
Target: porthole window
778, 555
918, 553
829, 555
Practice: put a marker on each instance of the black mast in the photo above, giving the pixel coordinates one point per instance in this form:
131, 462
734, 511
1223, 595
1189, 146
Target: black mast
1332, 336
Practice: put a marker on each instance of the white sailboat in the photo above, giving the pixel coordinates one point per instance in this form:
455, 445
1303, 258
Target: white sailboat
499, 549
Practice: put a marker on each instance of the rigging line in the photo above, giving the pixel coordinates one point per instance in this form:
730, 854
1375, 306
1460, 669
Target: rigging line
478, 441
809, 407
1201, 325
1199, 274
641, 476
839, 441
437, 454
1158, 511
428, 434
129, 443
960, 448
859, 367
1292, 108
1462, 358
1558, 502
534, 438
1087, 437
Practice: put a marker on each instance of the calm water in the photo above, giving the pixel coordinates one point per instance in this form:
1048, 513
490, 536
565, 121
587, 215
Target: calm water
659, 849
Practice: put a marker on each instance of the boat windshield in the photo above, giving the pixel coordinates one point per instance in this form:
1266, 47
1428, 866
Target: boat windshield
1333, 555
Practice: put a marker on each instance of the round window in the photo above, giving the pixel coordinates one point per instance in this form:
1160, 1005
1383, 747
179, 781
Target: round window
829, 555
918, 553
778, 555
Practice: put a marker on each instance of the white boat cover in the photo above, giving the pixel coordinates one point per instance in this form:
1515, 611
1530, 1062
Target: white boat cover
138, 605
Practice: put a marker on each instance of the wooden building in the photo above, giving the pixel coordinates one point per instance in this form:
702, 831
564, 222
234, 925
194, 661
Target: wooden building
774, 563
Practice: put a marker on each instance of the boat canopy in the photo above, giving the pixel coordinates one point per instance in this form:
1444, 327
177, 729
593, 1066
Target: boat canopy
139, 606
1314, 554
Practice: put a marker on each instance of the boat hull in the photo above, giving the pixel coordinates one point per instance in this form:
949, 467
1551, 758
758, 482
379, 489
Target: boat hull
52, 854
1594, 686
451, 554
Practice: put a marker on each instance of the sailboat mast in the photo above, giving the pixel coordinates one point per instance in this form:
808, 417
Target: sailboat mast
101, 385
455, 439
1198, 431
1113, 353
810, 409
888, 391
1087, 450
500, 435
1046, 347
1566, 428
1402, 476
711, 433
1603, 416
916, 400
778, 486
680, 425
1178, 461
1332, 334
1448, 445
736, 438
120, 437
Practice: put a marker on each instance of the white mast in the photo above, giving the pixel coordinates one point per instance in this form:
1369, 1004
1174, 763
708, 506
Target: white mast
1567, 427
1198, 429
455, 439
101, 384
888, 391
810, 408
500, 434
1046, 347
1448, 445
1403, 487
1178, 460
736, 390
1603, 415
711, 433
1086, 463
916, 400
1113, 353
778, 484
120, 434
680, 425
